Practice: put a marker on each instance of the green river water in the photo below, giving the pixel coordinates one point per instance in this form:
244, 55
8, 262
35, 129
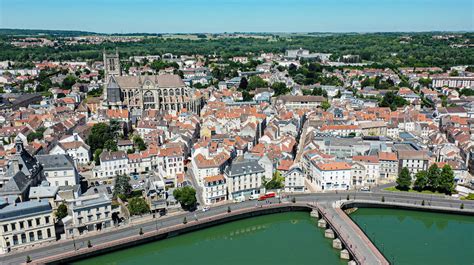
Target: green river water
286, 238
412, 237
408, 237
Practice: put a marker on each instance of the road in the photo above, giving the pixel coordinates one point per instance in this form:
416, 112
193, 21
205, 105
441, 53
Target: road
167, 221
190, 176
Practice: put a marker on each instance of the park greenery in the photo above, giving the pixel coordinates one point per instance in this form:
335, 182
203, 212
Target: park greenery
139, 143
312, 72
38, 134
186, 196
392, 100
388, 49
277, 182
434, 180
470, 196
138, 206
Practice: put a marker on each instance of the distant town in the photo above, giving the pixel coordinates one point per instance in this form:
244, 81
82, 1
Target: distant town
89, 145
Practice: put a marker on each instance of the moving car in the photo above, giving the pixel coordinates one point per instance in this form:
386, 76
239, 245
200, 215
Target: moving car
205, 209
365, 189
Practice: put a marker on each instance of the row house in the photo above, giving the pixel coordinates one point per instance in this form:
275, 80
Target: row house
414, 160
331, 175
111, 164
243, 178
214, 189
79, 151
88, 214
371, 172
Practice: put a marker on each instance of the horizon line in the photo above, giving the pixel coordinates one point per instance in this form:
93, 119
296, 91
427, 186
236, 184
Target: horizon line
249, 32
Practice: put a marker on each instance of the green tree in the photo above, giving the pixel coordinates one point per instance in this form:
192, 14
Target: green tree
97, 153
139, 143
393, 101
38, 134
277, 181
61, 212
111, 145
100, 133
138, 206
421, 180
325, 105
122, 185
186, 196
404, 179
256, 82
434, 174
446, 180
69, 81
280, 88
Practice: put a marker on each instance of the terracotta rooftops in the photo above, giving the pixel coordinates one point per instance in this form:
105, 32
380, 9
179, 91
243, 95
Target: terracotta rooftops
334, 166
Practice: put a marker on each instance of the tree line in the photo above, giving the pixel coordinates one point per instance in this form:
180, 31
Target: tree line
434, 179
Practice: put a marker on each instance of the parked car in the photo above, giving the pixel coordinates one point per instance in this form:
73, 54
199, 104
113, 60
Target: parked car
267, 195
205, 209
366, 189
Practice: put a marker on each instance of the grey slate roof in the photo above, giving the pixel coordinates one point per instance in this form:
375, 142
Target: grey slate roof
24, 209
242, 166
16, 185
55, 162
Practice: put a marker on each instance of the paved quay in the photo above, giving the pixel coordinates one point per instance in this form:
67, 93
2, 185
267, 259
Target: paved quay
130, 232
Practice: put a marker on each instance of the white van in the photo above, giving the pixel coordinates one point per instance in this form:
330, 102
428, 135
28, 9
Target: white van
254, 197
239, 199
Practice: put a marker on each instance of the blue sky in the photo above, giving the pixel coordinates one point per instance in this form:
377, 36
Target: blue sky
162, 16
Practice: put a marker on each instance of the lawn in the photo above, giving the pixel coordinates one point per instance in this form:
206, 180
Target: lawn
412, 190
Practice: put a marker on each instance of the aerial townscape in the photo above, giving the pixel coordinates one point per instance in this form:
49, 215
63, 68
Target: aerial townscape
115, 142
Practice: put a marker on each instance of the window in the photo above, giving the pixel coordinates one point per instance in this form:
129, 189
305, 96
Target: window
30, 223
48, 232
32, 236
5, 228
22, 225
46, 219
38, 221
23, 238
13, 226
40, 235
15, 240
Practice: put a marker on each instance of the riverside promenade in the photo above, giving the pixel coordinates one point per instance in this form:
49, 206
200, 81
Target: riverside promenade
168, 226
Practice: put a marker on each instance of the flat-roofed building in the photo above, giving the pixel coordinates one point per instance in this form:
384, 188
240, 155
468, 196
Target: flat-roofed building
87, 214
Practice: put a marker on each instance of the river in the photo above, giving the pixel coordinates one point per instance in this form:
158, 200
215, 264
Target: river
405, 237
286, 238
413, 237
